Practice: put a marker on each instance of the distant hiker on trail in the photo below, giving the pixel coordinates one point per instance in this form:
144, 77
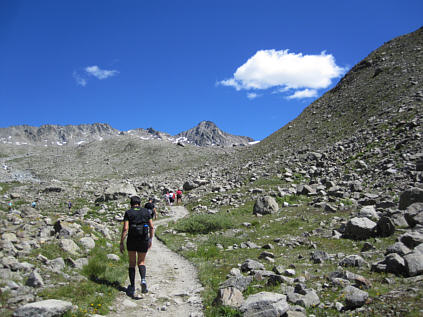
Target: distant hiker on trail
171, 197
167, 198
178, 196
138, 226
150, 206
10, 205
69, 205
33, 204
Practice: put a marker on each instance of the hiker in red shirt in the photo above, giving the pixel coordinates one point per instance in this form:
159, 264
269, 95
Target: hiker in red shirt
178, 196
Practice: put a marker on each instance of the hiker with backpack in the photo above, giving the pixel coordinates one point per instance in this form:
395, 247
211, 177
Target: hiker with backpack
150, 206
138, 226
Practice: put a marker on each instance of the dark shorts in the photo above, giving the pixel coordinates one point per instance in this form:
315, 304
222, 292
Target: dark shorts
179, 196
171, 199
137, 245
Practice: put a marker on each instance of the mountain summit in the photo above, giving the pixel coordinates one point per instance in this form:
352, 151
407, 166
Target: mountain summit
206, 133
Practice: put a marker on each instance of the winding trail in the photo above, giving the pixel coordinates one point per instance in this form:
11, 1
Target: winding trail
174, 289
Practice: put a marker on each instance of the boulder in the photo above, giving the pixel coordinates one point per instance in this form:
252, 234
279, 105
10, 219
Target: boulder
69, 246
239, 282
45, 308
319, 256
352, 261
414, 263
414, 214
265, 205
399, 248
87, 243
354, 297
115, 191
250, 265
411, 239
265, 304
360, 228
368, 212
229, 296
410, 196
188, 185
395, 264
35, 280
385, 227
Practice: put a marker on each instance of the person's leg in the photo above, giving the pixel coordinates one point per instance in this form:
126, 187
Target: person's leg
131, 270
143, 270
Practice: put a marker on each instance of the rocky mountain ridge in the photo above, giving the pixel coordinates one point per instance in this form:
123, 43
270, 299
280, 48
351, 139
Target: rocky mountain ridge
205, 134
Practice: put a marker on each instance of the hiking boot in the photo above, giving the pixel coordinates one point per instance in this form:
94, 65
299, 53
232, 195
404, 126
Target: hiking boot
130, 291
144, 286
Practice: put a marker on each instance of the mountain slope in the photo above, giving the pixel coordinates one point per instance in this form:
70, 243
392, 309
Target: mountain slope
206, 133
383, 89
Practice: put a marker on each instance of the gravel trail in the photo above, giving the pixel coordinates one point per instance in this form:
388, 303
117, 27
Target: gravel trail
174, 289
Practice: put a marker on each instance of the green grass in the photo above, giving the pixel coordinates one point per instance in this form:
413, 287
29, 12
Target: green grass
214, 263
104, 280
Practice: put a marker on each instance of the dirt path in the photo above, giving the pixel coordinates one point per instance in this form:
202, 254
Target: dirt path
174, 289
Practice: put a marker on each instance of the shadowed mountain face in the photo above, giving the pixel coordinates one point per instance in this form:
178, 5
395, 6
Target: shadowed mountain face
383, 90
206, 133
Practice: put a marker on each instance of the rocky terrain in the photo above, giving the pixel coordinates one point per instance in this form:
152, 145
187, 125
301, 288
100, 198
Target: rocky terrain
323, 217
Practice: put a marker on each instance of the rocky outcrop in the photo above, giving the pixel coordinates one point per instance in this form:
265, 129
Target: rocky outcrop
206, 133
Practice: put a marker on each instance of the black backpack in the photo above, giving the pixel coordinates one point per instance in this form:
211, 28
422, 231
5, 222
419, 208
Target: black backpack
141, 230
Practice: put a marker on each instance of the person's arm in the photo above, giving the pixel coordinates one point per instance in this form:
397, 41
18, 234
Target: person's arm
150, 241
123, 236
155, 212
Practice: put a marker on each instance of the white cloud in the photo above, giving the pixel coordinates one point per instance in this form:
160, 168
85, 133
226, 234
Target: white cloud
81, 76
306, 93
252, 95
79, 80
100, 73
285, 71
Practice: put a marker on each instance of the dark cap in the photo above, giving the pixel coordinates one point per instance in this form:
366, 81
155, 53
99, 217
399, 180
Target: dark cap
135, 200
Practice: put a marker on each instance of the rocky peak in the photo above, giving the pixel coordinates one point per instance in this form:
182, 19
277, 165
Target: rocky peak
206, 133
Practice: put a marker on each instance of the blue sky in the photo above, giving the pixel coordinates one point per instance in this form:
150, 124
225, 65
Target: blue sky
249, 66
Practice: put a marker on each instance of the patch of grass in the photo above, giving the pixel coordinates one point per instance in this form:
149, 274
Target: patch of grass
5, 187
105, 280
204, 223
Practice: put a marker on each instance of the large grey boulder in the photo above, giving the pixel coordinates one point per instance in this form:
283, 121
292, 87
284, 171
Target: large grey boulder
115, 191
319, 256
69, 246
385, 227
399, 248
369, 212
360, 228
410, 196
250, 265
352, 261
300, 295
354, 297
414, 214
45, 308
411, 239
229, 296
240, 282
265, 205
395, 264
414, 263
265, 304
87, 243
35, 280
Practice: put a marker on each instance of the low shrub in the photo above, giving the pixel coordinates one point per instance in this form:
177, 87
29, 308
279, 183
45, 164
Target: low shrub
203, 224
